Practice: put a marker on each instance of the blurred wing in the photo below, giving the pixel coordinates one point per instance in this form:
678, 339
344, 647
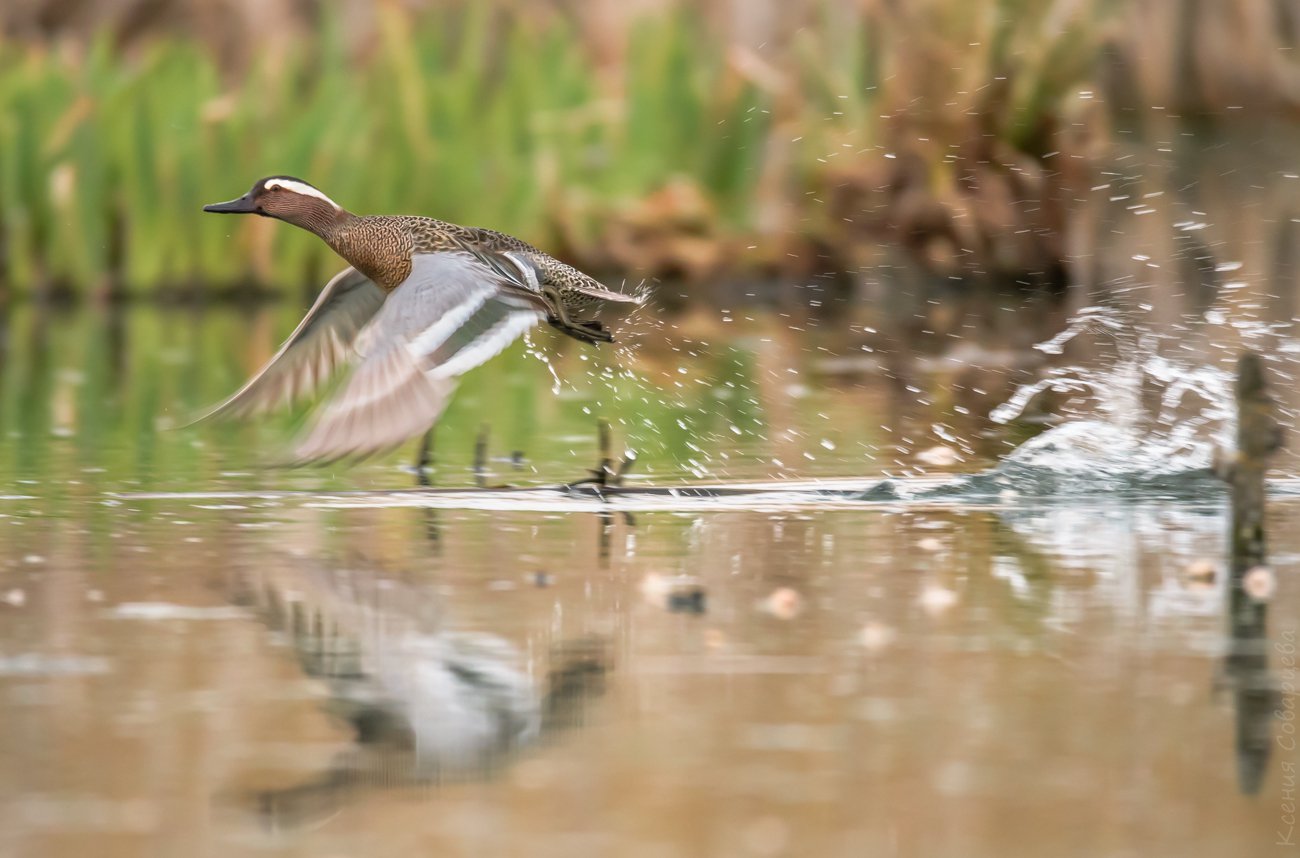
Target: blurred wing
322, 340
451, 314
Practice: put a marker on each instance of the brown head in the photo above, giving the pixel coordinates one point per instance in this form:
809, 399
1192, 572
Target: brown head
288, 199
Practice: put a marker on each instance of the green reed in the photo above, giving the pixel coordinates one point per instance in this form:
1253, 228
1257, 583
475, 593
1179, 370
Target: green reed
106, 161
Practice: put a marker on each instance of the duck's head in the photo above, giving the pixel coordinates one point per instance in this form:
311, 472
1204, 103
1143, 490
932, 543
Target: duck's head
286, 198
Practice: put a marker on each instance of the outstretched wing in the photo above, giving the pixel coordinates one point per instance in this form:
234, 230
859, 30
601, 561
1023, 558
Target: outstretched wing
454, 312
322, 340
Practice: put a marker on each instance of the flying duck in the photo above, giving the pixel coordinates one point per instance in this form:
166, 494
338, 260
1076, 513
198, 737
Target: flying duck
421, 302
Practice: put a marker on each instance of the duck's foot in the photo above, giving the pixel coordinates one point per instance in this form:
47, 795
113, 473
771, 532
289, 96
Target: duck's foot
589, 332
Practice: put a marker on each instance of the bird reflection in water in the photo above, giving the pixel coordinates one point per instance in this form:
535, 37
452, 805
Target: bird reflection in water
427, 705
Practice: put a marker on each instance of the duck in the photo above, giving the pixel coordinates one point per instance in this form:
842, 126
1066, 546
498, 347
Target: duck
421, 302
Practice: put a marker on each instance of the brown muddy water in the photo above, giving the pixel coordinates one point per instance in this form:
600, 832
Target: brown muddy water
907, 681
203, 656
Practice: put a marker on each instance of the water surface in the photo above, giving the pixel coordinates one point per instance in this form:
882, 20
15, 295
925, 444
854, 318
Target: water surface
919, 680
203, 656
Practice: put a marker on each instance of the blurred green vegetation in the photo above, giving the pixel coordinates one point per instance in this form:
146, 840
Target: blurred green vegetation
106, 159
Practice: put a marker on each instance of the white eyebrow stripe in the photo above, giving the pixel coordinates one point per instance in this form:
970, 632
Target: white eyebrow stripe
300, 188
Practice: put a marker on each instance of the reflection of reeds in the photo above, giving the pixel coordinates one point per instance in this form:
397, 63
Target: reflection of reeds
693, 151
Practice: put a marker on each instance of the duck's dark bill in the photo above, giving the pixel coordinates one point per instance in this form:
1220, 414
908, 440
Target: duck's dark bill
243, 205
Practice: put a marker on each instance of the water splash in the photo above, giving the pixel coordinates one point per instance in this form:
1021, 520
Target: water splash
1142, 419
538, 353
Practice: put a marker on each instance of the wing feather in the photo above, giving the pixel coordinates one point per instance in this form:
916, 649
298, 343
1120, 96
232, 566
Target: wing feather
321, 342
523, 270
450, 315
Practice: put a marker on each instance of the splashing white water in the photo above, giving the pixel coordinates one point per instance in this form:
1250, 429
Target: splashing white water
1111, 431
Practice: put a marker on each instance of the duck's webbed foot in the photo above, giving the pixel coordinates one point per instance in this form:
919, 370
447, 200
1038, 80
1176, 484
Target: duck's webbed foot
589, 332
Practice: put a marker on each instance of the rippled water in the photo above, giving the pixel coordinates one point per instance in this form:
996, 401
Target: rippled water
935, 591
984, 655
189, 676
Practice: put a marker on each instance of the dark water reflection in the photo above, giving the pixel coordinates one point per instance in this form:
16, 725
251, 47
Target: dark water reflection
1253, 687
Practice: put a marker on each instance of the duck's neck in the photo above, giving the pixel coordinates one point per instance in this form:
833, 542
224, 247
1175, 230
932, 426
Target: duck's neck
372, 245
324, 220
375, 246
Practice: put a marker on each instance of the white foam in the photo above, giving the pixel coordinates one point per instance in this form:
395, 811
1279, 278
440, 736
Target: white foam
168, 611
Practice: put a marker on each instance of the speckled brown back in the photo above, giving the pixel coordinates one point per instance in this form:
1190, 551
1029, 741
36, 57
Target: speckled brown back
381, 247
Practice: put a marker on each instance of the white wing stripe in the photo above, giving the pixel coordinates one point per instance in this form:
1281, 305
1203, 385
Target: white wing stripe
488, 346
437, 333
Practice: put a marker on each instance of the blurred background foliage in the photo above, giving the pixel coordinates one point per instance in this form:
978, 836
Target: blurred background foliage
681, 141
